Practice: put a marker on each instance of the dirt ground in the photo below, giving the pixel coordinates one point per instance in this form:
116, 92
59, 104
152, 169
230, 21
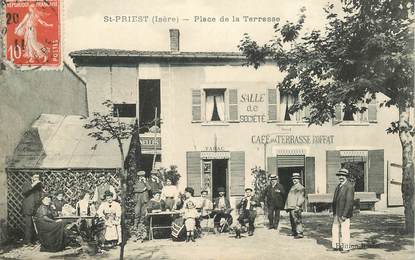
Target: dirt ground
374, 236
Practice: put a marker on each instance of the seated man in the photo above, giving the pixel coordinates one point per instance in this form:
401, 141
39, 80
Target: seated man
221, 210
247, 211
110, 211
206, 206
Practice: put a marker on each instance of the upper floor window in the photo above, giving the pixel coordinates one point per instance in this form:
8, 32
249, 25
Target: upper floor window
124, 110
369, 115
215, 105
286, 101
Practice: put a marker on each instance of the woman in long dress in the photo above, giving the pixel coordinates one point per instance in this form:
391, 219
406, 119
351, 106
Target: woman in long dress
33, 49
51, 232
110, 211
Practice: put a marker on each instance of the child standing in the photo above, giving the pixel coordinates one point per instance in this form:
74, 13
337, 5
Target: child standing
190, 215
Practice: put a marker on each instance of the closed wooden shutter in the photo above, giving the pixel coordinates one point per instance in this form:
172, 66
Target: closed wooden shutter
272, 104
376, 171
237, 172
290, 160
196, 105
310, 178
272, 165
338, 114
372, 111
194, 173
332, 167
233, 105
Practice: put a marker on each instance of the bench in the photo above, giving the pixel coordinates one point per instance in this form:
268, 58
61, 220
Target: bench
362, 200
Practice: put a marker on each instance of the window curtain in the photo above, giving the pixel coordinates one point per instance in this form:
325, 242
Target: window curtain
286, 102
209, 107
220, 106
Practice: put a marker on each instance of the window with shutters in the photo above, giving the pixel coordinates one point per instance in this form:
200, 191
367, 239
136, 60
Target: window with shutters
346, 117
215, 105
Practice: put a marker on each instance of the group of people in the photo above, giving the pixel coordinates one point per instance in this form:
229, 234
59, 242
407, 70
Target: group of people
45, 214
343, 200
43, 210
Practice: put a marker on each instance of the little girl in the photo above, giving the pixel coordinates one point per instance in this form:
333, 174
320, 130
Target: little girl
190, 215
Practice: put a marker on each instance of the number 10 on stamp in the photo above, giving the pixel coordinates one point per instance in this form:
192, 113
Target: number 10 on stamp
33, 36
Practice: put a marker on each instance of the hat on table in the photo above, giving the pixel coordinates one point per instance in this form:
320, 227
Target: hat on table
296, 175
343, 172
141, 173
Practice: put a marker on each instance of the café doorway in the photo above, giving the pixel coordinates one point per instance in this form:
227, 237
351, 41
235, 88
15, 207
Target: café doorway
220, 176
285, 176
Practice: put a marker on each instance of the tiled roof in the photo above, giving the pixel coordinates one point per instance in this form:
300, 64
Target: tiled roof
135, 53
100, 56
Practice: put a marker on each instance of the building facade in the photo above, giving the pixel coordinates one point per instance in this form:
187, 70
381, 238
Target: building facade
220, 119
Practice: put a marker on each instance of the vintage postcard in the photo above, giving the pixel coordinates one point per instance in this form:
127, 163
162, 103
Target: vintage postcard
207, 129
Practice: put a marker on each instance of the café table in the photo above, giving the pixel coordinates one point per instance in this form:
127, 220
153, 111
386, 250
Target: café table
160, 214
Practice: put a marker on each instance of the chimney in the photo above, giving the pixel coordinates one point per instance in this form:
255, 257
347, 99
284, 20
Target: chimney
174, 40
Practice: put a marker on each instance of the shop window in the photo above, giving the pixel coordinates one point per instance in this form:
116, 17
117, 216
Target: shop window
124, 110
215, 105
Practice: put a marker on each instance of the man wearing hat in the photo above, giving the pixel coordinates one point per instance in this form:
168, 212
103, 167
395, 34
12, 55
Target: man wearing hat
342, 211
222, 208
293, 205
247, 211
274, 196
141, 189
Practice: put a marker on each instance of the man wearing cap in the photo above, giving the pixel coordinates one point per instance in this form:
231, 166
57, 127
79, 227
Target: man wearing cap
293, 206
342, 211
222, 208
274, 197
141, 189
247, 210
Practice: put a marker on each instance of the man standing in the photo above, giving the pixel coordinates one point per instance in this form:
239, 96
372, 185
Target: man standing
141, 190
342, 211
247, 207
32, 192
293, 206
274, 198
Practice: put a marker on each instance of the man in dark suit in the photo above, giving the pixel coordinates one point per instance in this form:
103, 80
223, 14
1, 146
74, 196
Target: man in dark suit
274, 196
247, 211
32, 192
342, 210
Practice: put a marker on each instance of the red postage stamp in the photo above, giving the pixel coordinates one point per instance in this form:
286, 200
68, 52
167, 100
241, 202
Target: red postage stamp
33, 36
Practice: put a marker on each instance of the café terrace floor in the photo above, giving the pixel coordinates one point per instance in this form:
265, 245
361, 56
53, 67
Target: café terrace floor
375, 235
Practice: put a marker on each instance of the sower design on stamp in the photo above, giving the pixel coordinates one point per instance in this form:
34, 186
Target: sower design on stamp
33, 33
